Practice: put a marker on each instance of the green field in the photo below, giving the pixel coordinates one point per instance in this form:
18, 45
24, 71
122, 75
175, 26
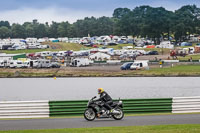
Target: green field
180, 70
59, 46
53, 47
189, 128
194, 57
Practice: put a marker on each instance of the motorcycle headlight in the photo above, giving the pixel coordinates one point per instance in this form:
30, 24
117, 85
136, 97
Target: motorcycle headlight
120, 103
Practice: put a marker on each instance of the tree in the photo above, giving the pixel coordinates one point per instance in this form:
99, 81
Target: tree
5, 23
4, 32
18, 31
40, 31
63, 29
53, 30
186, 21
120, 12
29, 29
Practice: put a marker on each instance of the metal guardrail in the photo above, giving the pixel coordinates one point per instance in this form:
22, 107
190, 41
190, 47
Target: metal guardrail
36, 109
67, 108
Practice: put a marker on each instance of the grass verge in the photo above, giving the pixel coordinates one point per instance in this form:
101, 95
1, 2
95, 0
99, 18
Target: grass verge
187, 128
179, 71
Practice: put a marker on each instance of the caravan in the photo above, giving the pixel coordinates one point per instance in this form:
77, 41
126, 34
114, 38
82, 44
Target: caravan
78, 62
16, 64
44, 63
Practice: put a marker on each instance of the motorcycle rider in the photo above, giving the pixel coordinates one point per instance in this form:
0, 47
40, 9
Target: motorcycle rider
104, 97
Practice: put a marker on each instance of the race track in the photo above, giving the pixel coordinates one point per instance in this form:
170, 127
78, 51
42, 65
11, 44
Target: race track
56, 123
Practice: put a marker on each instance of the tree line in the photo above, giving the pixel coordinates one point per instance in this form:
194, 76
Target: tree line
142, 21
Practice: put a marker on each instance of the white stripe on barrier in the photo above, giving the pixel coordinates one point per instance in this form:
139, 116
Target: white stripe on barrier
24, 105
194, 97
185, 100
31, 116
185, 106
20, 108
185, 103
23, 114
25, 111
187, 111
18, 102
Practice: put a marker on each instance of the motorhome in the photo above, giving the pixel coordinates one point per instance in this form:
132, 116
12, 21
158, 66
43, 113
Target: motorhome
165, 44
78, 62
45, 53
34, 63
16, 64
2, 63
137, 65
44, 63
18, 46
61, 53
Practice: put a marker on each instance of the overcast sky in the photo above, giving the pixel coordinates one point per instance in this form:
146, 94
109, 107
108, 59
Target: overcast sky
19, 11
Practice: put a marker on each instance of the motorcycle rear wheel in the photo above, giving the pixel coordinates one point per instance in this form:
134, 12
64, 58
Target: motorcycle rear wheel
89, 114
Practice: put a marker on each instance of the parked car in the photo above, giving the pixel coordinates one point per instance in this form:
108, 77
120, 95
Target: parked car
126, 66
152, 53
55, 65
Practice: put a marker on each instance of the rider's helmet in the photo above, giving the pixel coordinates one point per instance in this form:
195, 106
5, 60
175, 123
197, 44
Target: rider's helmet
100, 90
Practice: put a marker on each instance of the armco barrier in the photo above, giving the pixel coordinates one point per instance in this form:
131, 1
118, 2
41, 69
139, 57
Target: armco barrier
186, 104
66, 108
24, 109
35, 109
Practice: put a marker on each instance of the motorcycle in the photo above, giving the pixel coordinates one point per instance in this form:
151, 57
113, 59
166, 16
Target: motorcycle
95, 109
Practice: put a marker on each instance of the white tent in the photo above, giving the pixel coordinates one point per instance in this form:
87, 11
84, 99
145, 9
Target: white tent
99, 56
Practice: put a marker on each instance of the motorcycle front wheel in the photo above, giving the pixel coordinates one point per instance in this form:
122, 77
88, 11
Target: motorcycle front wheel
118, 116
89, 114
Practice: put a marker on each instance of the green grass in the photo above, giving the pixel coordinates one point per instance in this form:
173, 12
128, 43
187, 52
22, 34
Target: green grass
187, 128
59, 47
194, 57
180, 70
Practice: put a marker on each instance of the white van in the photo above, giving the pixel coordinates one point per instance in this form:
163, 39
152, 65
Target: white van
26, 64
16, 64
137, 65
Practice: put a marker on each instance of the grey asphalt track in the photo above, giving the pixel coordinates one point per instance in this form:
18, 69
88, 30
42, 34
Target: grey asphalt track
57, 123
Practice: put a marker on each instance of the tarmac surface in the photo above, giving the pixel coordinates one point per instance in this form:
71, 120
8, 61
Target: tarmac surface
59, 123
